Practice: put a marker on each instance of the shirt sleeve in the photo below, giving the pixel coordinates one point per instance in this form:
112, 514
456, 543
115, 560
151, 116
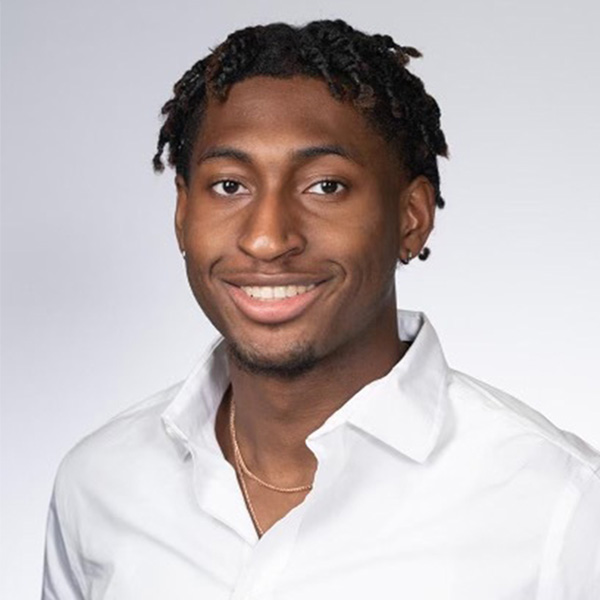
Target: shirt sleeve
60, 581
572, 559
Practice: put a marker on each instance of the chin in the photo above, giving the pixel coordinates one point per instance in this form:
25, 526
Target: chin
294, 362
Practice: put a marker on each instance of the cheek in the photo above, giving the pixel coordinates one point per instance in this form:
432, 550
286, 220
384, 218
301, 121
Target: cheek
367, 252
204, 247
207, 237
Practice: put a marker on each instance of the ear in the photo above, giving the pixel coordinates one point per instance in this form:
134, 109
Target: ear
417, 213
181, 211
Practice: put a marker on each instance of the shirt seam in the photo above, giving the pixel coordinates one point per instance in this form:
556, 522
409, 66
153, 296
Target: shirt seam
559, 523
66, 534
592, 466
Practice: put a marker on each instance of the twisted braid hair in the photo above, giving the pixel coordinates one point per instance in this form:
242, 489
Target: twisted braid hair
367, 70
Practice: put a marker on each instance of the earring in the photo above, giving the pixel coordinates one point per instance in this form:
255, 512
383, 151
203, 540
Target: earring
405, 261
183, 254
424, 254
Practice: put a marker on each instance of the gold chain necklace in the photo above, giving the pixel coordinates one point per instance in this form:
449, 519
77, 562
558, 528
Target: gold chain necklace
242, 468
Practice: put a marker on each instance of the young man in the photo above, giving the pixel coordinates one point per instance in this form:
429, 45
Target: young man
323, 446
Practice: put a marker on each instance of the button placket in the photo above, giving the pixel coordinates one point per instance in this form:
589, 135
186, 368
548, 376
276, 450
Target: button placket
269, 557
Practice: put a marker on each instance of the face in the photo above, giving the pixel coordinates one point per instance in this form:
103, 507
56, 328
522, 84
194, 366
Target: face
293, 219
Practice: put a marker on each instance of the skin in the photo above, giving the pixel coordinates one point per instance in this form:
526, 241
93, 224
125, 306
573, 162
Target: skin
276, 222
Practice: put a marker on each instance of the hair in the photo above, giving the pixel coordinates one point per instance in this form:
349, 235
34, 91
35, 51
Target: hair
367, 70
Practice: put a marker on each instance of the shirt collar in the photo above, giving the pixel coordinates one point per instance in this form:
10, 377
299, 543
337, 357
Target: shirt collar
404, 409
189, 419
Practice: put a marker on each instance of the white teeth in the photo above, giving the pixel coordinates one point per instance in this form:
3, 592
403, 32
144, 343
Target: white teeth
267, 292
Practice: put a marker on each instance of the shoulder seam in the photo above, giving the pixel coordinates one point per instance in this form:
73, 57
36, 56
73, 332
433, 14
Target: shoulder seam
164, 395
593, 466
58, 496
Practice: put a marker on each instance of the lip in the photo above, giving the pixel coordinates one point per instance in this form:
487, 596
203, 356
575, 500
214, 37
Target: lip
272, 279
276, 310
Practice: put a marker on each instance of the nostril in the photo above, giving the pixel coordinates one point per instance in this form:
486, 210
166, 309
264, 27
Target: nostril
271, 243
266, 247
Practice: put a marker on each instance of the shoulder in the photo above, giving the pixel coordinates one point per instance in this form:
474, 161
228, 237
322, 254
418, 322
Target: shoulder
509, 423
114, 453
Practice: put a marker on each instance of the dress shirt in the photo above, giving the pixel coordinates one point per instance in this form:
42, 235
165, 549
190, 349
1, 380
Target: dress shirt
430, 486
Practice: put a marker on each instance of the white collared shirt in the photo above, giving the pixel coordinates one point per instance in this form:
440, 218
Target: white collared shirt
430, 486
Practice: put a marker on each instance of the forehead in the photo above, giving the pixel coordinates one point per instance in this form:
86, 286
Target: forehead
289, 112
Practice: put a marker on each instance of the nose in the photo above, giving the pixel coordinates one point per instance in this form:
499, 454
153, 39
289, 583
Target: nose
271, 229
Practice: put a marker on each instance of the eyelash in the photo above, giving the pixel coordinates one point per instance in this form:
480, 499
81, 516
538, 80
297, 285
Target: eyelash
341, 186
224, 181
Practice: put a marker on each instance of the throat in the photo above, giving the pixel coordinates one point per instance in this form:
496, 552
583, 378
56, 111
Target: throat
244, 470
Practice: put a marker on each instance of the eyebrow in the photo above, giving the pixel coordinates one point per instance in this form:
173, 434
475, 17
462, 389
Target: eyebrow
297, 155
314, 151
224, 152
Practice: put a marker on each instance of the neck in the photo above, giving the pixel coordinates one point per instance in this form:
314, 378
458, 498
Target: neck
275, 415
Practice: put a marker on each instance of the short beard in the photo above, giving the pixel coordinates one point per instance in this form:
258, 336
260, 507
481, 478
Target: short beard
298, 362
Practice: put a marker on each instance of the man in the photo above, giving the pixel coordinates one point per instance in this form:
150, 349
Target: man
323, 446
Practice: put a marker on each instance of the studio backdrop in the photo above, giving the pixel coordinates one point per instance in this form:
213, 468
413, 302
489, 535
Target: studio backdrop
96, 310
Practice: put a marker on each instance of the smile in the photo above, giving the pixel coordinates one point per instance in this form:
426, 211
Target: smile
274, 304
267, 292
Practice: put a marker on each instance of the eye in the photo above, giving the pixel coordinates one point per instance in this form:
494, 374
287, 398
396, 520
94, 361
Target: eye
228, 187
326, 187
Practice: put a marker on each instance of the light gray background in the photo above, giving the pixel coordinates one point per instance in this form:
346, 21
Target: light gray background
96, 312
